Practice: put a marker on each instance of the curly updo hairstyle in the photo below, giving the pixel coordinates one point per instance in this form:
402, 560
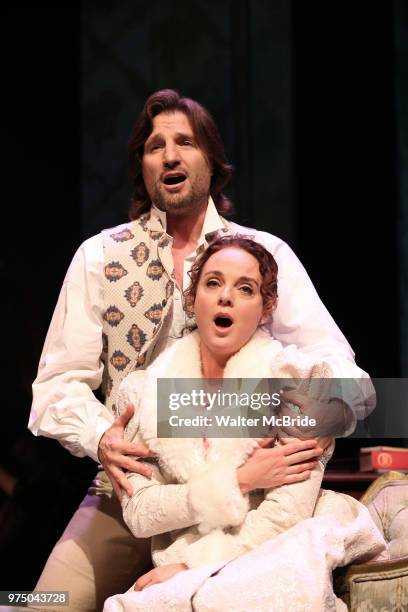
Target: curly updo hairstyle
268, 269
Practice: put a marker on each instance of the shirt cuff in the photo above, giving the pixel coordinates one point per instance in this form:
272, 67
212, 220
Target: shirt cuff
92, 435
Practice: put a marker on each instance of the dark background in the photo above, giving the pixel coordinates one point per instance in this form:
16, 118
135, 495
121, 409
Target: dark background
311, 102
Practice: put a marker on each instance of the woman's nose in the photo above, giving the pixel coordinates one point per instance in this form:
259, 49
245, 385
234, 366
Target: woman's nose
225, 297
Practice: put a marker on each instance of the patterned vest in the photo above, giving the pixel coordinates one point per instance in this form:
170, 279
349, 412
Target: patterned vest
138, 289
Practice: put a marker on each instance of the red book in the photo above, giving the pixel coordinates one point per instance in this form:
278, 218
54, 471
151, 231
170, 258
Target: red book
383, 458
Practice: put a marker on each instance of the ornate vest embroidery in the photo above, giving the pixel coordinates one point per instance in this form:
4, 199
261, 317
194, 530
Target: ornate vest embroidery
138, 290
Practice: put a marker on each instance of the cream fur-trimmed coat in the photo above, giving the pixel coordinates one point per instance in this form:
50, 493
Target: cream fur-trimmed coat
203, 517
241, 550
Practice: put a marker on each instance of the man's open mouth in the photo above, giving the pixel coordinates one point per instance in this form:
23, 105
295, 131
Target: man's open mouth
223, 321
174, 179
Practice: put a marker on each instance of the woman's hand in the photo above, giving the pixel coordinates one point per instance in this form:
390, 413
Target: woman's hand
159, 574
113, 454
268, 468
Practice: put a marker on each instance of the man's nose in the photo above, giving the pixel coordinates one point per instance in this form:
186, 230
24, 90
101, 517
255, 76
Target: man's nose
171, 155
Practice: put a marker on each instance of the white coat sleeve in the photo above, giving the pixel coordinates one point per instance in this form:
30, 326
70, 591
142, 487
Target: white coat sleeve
64, 405
155, 506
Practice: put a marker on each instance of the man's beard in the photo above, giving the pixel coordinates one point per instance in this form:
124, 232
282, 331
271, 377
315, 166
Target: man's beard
180, 203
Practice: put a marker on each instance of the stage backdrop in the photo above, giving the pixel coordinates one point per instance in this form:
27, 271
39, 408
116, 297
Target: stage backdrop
306, 99
231, 56
401, 30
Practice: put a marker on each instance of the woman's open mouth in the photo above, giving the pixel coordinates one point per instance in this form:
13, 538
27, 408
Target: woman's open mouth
223, 322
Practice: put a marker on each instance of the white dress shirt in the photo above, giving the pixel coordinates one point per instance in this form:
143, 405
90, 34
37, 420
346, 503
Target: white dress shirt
64, 406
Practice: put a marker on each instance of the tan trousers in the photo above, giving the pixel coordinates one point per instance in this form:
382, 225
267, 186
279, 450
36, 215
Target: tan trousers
95, 557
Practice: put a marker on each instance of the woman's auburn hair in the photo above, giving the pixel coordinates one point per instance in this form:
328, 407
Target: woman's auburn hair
268, 269
206, 134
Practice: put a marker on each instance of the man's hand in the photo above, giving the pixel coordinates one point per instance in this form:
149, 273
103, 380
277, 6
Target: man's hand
332, 417
113, 454
267, 468
159, 574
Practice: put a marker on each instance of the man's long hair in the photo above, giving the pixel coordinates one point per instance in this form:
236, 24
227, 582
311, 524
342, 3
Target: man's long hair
207, 137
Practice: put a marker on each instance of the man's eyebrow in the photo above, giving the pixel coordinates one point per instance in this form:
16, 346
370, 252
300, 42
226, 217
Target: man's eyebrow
159, 136
153, 137
188, 135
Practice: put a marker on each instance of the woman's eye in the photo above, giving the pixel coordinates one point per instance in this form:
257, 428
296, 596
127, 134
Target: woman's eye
187, 143
212, 282
246, 289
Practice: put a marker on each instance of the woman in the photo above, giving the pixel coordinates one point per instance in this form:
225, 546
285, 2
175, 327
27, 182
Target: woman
199, 513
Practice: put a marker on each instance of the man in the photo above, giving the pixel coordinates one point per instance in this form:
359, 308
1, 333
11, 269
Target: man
121, 304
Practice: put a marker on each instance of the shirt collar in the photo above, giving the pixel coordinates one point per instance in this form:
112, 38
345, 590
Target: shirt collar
213, 223
157, 216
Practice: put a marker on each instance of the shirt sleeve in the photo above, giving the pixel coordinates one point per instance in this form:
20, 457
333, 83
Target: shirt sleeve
302, 319
354, 389
64, 405
323, 381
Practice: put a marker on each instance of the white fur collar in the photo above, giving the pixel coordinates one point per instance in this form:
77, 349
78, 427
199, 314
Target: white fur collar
182, 456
